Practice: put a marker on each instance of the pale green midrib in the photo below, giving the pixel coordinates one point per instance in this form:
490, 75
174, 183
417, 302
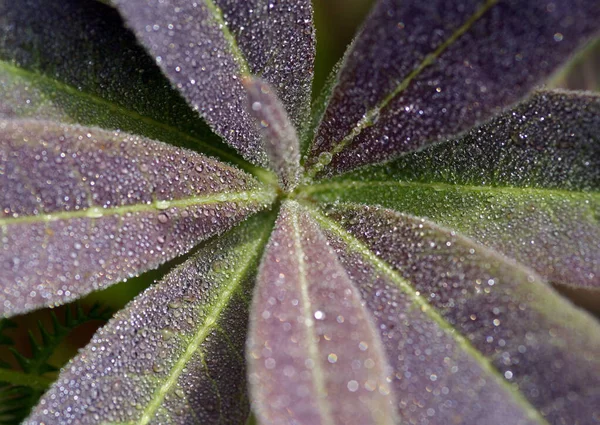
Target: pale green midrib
158, 206
15, 377
350, 185
209, 323
462, 343
429, 60
317, 373
206, 148
235, 49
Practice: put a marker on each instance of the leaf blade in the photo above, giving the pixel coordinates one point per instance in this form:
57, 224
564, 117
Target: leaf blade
519, 313
308, 329
73, 74
465, 62
248, 37
183, 317
111, 204
525, 184
280, 140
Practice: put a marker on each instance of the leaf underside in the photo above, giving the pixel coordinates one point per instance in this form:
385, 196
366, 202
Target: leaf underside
314, 356
83, 208
525, 184
422, 72
175, 353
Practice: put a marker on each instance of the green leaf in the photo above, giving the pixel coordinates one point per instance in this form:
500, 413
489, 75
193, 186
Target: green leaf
526, 184
473, 337
82, 208
175, 353
74, 74
314, 356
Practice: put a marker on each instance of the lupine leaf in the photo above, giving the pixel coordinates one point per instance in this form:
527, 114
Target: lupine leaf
420, 72
206, 47
83, 208
176, 353
526, 184
314, 355
74, 74
280, 140
461, 322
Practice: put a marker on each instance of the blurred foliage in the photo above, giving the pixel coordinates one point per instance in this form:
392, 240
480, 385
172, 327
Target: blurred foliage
583, 72
24, 377
337, 22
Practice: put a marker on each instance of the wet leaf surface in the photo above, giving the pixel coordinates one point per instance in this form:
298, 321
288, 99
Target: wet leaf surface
450, 309
280, 140
314, 355
175, 353
526, 184
83, 208
231, 40
418, 72
438, 310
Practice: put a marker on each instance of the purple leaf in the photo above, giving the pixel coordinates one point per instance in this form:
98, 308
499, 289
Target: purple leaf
83, 208
524, 184
176, 353
74, 74
422, 72
473, 337
280, 140
313, 354
206, 47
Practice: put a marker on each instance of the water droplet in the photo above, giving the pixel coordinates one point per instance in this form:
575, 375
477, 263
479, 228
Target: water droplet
352, 386
325, 158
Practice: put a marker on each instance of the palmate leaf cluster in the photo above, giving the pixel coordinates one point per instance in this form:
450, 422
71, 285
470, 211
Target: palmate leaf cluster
387, 255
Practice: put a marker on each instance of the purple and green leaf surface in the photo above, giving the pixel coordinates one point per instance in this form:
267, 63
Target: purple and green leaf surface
399, 273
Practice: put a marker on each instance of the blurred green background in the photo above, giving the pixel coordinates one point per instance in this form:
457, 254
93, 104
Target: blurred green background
336, 22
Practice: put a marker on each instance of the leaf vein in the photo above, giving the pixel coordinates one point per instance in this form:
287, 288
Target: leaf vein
429, 60
317, 374
96, 212
209, 324
405, 286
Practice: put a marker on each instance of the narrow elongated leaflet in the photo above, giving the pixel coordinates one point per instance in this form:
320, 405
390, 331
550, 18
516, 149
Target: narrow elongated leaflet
488, 322
280, 140
82, 208
526, 184
73, 74
174, 354
421, 72
206, 47
314, 355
